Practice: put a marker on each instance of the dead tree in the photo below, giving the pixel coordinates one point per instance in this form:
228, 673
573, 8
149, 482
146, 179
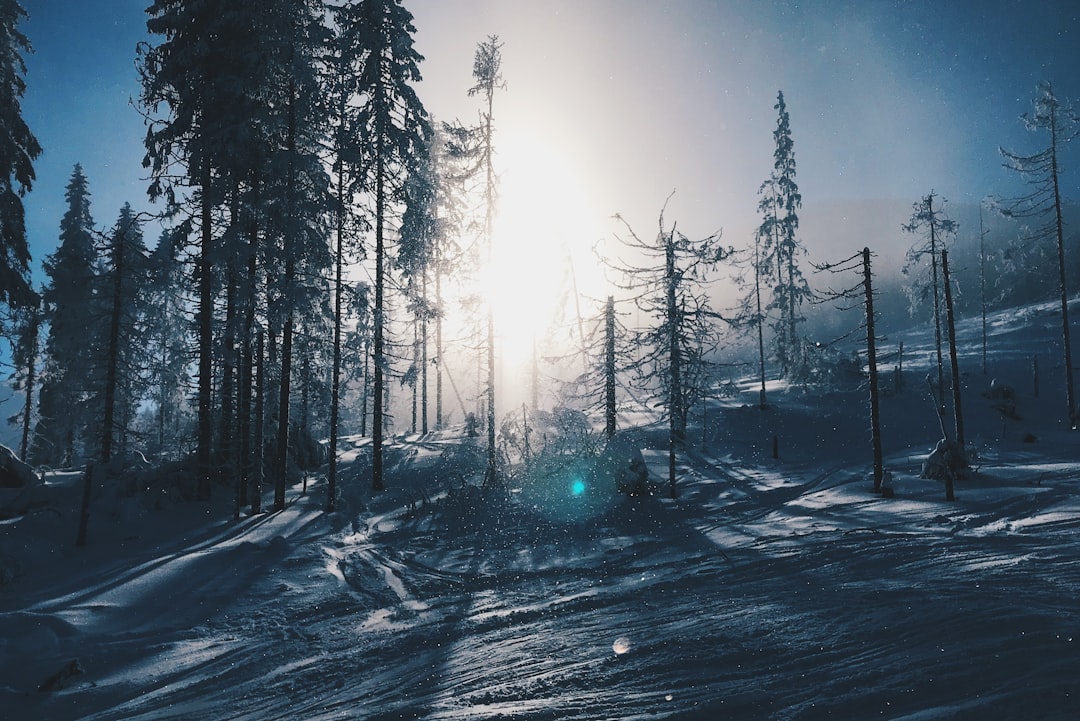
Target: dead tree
861, 261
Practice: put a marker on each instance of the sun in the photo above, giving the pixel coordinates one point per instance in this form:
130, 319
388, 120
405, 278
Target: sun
542, 243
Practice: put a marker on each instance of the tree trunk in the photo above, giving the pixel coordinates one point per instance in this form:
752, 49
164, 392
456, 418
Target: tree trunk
675, 413
609, 367
438, 348
424, 356
871, 358
760, 321
335, 375
113, 353
281, 459
937, 307
31, 372
958, 411
1059, 227
205, 433
377, 482
258, 438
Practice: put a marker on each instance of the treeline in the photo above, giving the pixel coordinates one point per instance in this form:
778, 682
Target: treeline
308, 200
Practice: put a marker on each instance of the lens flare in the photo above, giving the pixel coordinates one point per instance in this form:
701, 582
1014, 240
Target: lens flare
577, 488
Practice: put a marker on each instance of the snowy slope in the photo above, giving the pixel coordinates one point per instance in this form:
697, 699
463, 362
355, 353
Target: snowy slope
771, 589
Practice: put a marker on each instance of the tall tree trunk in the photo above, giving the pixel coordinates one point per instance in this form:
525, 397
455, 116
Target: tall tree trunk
281, 463
676, 416
226, 434
937, 306
760, 318
335, 375
491, 474
205, 432
258, 438
609, 367
113, 357
31, 379
958, 411
871, 358
415, 391
982, 284
1059, 227
284, 395
377, 482
439, 351
424, 356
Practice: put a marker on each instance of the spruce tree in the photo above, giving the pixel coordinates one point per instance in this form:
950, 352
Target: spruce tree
70, 382
780, 248
487, 72
18, 150
123, 286
393, 123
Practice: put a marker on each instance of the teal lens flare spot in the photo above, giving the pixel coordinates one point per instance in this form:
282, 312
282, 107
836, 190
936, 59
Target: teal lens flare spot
577, 487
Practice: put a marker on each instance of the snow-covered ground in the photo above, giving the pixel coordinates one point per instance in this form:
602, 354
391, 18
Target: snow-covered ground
771, 589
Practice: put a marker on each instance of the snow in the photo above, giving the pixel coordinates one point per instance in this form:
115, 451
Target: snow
777, 588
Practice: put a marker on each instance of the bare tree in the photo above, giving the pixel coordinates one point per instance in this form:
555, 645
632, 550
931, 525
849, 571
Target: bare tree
1043, 204
668, 285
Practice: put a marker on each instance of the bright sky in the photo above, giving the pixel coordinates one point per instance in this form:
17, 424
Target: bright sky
612, 104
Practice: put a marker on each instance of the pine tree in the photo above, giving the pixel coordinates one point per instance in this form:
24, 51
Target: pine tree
18, 150
1042, 171
123, 283
487, 72
779, 247
70, 382
297, 194
187, 147
393, 124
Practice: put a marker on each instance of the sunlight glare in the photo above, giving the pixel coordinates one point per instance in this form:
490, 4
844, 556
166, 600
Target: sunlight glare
544, 224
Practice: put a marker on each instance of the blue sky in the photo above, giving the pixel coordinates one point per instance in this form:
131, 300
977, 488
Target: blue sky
635, 98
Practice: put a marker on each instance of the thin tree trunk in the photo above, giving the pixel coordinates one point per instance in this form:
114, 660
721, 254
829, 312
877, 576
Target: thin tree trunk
937, 306
31, 372
439, 355
258, 439
424, 356
871, 358
415, 395
760, 318
113, 357
205, 432
982, 285
958, 411
335, 376
609, 367
285, 391
289, 240
1059, 226
675, 412
377, 482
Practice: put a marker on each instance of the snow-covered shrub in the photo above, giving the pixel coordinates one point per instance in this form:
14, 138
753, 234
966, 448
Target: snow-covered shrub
826, 367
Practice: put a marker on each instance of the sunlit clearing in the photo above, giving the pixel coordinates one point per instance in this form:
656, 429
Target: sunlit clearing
543, 237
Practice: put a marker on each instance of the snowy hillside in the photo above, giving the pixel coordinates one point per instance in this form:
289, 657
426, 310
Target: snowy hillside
773, 588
